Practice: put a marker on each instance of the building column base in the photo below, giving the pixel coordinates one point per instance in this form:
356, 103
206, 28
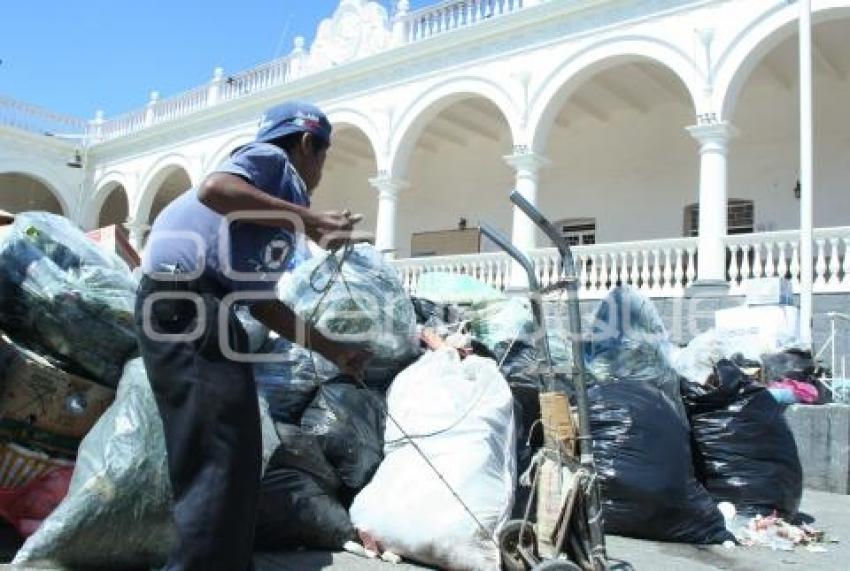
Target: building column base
707, 288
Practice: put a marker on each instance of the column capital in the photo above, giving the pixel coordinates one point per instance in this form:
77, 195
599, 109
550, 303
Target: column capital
525, 160
719, 133
388, 186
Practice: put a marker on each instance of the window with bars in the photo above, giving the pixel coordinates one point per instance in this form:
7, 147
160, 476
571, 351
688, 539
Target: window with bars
578, 231
740, 216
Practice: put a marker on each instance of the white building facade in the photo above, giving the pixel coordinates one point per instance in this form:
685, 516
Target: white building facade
664, 134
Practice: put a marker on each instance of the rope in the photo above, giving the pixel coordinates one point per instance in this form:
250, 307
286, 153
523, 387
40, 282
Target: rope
337, 274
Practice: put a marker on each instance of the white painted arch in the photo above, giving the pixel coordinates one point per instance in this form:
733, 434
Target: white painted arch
757, 39
224, 150
570, 73
344, 117
44, 173
424, 107
153, 179
104, 186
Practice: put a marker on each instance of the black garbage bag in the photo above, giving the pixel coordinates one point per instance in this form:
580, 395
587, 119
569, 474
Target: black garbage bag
289, 382
349, 424
433, 314
65, 297
299, 505
796, 364
643, 459
744, 451
630, 343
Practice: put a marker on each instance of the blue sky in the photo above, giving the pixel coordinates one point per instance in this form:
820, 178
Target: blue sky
75, 57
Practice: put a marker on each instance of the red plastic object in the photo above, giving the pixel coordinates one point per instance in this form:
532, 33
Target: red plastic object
27, 506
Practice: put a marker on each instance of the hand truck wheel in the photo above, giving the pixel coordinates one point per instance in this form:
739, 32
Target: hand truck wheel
510, 543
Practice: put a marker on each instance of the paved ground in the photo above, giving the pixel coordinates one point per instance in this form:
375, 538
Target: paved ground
831, 513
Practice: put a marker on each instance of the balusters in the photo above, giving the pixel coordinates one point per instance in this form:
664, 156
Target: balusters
820, 265
736, 262
795, 263
692, 267
782, 260
834, 264
757, 263
679, 270
644, 272
769, 270
582, 277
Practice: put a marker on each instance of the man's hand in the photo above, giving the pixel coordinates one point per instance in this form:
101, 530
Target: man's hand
333, 229
350, 359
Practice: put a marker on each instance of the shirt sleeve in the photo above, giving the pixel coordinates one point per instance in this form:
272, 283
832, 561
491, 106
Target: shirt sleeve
261, 164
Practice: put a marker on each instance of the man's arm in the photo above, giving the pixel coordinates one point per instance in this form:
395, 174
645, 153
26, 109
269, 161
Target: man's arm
278, 316
228, 193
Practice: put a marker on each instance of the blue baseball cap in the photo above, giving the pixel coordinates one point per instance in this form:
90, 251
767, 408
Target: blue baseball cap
293, 117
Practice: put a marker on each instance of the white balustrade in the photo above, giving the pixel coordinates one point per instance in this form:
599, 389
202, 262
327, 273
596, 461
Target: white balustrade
778, 254
257, 79
36, 119
181, 105
454, 14
647, 266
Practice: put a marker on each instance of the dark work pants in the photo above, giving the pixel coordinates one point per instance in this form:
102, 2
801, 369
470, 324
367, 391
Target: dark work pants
211, 419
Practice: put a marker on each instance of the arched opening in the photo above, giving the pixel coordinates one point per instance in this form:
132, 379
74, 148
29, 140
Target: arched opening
174, 182
764, 159
345, 184
20, 192
622, 167
115, 208
458, 177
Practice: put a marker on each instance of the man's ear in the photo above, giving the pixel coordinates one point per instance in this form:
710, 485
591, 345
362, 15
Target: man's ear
307, 145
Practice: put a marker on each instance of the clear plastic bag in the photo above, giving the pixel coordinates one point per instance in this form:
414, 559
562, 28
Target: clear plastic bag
630, 343
354, 296
117, 513
289, 383
63, 295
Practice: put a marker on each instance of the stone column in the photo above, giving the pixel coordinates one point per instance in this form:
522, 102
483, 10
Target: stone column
137, 232
713, 142
527, 166
388, 189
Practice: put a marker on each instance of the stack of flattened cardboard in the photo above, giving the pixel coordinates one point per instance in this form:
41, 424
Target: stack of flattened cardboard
43, 406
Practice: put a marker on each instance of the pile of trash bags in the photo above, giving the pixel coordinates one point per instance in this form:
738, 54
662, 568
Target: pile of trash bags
423, 455
66, 298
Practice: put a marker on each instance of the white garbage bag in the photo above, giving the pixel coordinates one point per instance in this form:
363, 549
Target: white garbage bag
460, 414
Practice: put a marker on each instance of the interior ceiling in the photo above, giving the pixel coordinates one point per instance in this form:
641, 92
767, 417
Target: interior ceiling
830, 48
173, 186
638, 88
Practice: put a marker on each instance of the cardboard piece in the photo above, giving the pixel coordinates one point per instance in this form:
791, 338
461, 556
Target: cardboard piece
41, 405
116, 240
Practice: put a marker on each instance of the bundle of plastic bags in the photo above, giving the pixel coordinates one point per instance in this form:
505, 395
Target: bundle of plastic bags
460, 415
117, 513
643, 459
354, 296
745, 452
64, 296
